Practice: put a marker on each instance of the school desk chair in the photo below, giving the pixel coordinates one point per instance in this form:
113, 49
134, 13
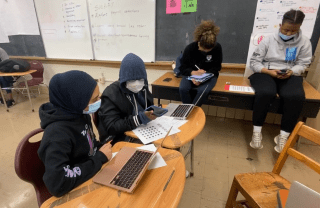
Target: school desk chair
29, 167
37, 77
260, 189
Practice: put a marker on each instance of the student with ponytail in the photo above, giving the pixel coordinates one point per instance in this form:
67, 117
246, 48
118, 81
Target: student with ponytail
203, 55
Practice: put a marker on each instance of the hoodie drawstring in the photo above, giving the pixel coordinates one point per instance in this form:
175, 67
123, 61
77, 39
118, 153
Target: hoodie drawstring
145, 97
136, 106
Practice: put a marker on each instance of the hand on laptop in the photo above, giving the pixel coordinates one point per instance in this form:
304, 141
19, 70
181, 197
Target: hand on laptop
106, 150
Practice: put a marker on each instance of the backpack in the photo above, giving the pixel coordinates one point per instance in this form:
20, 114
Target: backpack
176, 70
14, 65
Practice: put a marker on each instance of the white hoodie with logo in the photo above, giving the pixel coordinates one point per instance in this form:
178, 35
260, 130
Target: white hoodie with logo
274, 53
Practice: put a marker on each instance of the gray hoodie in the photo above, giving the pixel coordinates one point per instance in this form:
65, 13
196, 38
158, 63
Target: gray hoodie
274, 53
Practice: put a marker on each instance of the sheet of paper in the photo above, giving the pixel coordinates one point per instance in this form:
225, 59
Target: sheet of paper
154, 130
173, 6
240, 88
176, 123
157, 161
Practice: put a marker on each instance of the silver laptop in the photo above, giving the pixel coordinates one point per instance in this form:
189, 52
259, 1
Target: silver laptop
302, 196
181, 111
126, 169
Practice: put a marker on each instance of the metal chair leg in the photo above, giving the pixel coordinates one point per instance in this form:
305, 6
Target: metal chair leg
4, 100
27, 87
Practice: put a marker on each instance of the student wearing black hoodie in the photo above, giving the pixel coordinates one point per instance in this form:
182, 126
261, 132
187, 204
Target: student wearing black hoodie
69, 150
123, 103
203, 55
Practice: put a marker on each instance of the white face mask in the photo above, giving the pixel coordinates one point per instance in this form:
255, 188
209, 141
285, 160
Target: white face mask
135, 85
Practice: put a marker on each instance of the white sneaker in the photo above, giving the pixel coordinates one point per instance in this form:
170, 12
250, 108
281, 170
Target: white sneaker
173, 65
256, 140
187, 174
280, 140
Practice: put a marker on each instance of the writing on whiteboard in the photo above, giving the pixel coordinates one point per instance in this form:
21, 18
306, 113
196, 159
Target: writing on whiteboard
103, 6
308, 9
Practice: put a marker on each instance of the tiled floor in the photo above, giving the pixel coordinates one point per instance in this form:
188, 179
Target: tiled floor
221, 151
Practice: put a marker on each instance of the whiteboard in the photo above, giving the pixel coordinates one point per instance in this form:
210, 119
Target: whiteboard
120, 27
65, 30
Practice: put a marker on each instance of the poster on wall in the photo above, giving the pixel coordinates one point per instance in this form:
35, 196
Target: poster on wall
173, 6
269, 14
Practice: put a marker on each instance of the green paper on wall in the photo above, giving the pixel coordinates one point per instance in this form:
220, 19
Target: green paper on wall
188, 6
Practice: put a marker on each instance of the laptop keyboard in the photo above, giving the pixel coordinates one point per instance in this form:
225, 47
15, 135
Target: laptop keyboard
181, 111
130, 171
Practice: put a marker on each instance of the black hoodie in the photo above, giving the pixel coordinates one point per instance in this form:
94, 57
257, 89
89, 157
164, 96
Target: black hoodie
68, 149
210, 62
122, 110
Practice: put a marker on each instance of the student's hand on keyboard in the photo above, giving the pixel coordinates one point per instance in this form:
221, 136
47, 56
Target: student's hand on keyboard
106, 150
150, 115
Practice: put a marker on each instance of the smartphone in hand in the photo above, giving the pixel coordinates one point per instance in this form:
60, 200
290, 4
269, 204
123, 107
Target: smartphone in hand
157, 111
282, 71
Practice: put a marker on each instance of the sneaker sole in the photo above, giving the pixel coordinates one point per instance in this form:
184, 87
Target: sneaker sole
275, 149
255, 147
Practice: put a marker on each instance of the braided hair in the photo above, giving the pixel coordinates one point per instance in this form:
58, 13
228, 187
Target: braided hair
293, 17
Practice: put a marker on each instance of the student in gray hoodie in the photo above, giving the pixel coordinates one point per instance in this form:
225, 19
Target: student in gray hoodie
278, 63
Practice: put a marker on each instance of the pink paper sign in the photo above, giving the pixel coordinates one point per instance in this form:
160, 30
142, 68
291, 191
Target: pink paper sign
173, 6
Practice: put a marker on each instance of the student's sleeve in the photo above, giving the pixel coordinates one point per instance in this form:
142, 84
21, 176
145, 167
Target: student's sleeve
187, 65
258, 56
61, 174
3, 55
303, 59
218, 59
112, 120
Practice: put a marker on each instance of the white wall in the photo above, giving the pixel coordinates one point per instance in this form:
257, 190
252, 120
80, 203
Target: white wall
110, 74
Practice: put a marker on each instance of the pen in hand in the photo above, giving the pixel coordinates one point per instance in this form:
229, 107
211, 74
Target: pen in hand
197, 67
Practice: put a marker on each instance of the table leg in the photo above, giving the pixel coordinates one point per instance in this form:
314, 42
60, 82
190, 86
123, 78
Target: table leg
26, 83
192, 158
4, 99
191, 152
158, 101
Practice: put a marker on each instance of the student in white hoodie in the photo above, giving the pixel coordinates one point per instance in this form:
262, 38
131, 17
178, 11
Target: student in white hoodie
278, 63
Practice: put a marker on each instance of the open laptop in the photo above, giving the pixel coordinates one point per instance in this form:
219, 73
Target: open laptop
181, 111
126, 169
302, 196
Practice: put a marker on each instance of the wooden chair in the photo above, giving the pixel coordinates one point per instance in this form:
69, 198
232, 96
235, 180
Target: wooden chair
29, 167
260, 189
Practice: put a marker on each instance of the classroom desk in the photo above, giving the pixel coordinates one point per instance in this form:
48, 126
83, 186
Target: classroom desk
239, 100
17, 74
189, 131
149, 193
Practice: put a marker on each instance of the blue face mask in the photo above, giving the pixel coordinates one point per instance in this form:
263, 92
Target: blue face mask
93, 107
285, 37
